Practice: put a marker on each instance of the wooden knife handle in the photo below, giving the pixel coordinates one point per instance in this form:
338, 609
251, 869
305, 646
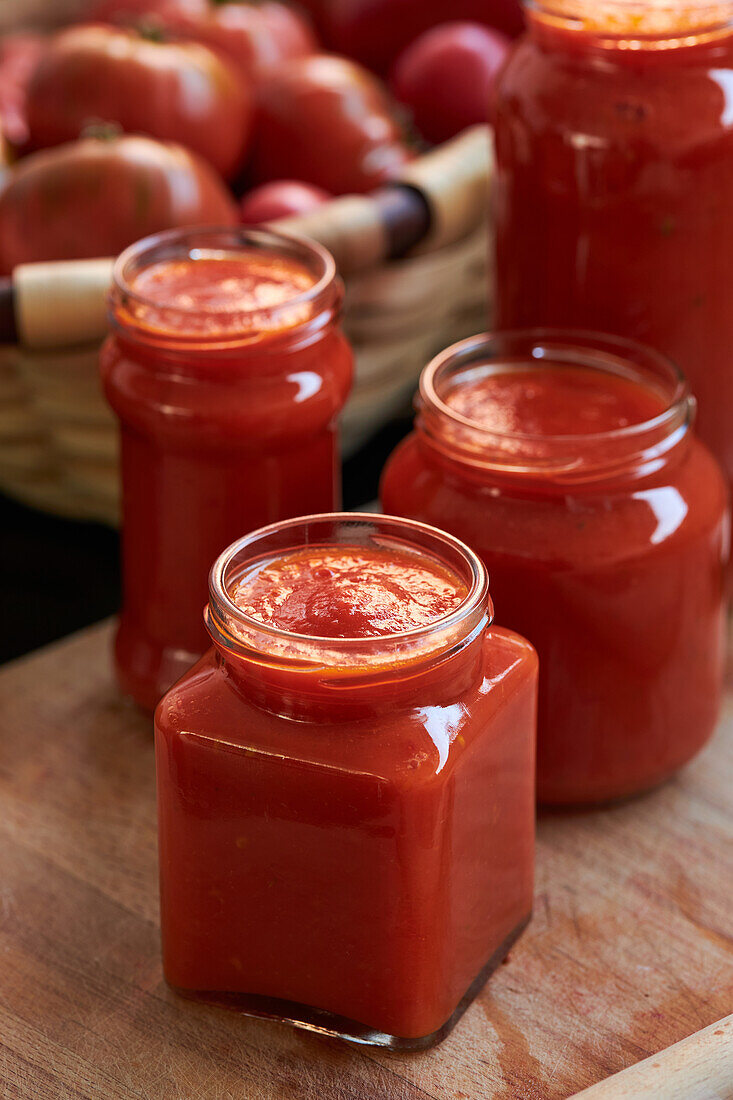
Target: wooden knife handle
454, 179
61, 303
437, 199
697, 1068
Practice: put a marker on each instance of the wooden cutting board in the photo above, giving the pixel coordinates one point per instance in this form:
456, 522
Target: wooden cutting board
629, 949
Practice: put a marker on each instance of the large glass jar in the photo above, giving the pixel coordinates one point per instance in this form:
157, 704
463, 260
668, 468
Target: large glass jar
346, 783
227, 369
614, 141
568, 462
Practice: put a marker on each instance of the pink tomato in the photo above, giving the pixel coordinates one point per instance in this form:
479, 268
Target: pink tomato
447, 77
280, 199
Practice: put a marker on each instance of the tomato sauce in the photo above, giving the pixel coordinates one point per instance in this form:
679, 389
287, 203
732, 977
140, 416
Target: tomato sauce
347, 592
614, 142
346, 783
520, 399
227, 369
572, 469
222, 295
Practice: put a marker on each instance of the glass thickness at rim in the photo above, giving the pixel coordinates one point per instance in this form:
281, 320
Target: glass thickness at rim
517, 452
181, 244
225, 618
621, 22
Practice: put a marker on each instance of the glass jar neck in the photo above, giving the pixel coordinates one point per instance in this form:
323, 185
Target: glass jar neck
554, 463
314, 678
198, 337
641, 28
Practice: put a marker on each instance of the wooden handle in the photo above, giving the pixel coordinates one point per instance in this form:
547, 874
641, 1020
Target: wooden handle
449, 197
61, 303
697, 1068
454, 179
349, 227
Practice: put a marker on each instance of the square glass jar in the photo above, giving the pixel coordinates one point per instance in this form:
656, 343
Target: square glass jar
347, 824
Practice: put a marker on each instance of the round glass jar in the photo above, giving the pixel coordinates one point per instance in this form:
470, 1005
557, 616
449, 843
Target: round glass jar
606, 549
347, 822
227, 369
614, 143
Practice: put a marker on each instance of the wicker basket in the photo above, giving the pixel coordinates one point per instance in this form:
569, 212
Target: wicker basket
58, 440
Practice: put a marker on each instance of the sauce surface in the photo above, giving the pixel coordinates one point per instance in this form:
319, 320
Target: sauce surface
348, 592
550, 400
222, 293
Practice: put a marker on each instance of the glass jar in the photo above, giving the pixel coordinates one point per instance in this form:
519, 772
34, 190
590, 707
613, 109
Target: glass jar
227, 369
347, 823
614, 143
606, 549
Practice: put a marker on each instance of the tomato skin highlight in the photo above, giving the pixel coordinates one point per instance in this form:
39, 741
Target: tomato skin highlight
328, 122
172, 91
280, 199
20, 53
447, 78
94, 197
255, 37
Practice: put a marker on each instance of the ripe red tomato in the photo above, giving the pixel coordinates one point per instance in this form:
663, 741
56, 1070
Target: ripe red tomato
375, 32
447, 77
255, 36
326, 121
96, 196
19, 55
172, 91
280, 199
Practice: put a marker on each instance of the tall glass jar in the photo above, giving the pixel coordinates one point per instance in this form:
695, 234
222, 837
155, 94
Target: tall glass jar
347, 821
614, 142
227, 369
568, 462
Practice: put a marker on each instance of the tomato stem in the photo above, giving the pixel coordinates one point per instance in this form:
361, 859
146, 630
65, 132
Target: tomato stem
151, 30
101, 130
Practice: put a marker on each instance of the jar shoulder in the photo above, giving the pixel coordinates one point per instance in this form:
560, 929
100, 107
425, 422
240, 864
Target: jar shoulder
687, 499
407, 749
256, 395
650, 105
328, 357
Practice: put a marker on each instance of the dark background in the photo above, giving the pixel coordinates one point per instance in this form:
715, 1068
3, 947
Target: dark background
57, 576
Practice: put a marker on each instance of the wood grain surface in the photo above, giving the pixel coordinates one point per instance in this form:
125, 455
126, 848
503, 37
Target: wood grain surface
629, 950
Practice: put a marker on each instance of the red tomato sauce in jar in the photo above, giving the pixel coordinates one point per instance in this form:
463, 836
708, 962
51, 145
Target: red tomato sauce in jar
223, 295
227, 369
347, 592
346, 783
515, 398
568, 462
614, 143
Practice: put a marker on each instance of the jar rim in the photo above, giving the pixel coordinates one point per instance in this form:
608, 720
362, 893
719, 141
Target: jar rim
630, 22
179, 243
579, 347
223, 614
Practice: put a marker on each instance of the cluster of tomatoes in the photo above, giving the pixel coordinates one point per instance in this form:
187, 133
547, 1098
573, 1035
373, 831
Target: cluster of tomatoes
152, 114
